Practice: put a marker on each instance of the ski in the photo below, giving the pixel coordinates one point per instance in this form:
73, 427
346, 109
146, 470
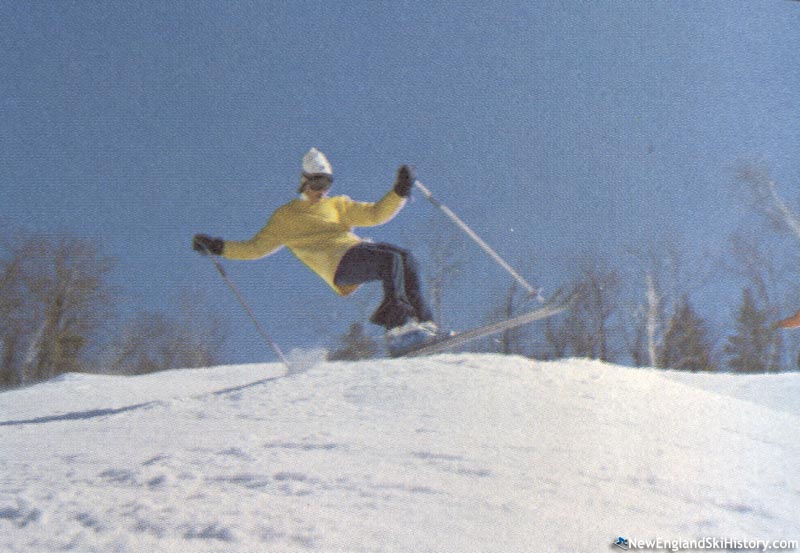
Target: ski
487, 330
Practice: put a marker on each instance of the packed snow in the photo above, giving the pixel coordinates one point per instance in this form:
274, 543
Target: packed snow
448, 453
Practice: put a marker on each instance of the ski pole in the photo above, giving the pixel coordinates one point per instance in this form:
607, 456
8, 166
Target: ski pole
471, 233
259, 327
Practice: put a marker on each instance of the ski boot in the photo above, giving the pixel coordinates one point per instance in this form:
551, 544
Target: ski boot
410, 336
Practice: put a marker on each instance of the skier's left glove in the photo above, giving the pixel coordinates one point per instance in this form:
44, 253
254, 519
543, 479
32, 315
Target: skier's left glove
205, 244
405, 179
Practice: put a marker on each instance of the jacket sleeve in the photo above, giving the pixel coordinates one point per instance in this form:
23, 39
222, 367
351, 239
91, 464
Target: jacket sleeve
365, 214
267, 241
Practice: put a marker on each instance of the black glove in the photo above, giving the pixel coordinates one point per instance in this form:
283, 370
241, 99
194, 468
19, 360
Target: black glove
405, 179
205, 244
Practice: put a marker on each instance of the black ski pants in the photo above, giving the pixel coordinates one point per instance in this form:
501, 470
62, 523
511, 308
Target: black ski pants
397, 269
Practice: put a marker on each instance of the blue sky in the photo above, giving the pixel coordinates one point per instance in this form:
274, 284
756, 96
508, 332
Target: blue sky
556, 129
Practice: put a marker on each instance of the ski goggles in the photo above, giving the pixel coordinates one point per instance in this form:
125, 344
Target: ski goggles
318, 182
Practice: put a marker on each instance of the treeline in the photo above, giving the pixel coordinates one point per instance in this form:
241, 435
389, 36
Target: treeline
606, 323
646, 308
613, 320
58, 314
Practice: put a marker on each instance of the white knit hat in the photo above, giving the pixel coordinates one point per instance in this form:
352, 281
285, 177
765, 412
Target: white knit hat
315, 163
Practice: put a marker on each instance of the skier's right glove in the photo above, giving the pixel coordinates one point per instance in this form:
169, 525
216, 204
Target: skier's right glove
205, 244
405, 179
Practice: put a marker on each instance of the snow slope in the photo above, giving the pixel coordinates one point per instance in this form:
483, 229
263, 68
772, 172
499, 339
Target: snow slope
448, 453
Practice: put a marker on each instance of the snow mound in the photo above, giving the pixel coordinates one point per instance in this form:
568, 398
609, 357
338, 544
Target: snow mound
447, 453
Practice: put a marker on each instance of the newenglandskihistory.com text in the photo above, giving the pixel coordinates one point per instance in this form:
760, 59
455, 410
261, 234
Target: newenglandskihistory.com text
704, 544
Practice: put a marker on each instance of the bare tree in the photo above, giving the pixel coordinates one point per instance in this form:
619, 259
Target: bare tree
510, 342
661, 275
445, 264
13, 325
770, 268
555, 339
767, 200
141, 347
654, 314
56, 299
589, 327
192, 336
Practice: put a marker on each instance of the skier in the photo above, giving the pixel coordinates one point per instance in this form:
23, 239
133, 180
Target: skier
317, 229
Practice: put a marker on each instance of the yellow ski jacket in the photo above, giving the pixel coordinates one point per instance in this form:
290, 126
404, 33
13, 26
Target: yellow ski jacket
318, 234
